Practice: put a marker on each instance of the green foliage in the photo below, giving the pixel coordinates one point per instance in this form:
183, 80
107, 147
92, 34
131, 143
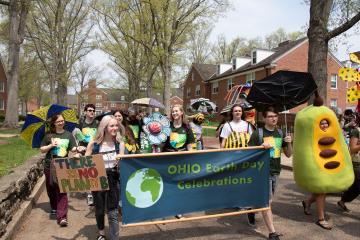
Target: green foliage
13, 154
2, 117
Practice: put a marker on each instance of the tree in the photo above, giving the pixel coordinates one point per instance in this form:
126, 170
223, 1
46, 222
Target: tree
199, 47
273, 39
18, 11
60, 34
123, 30
224, 52
347, 14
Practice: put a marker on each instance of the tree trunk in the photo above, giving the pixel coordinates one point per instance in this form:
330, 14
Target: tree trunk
166, 68
12, 113
318, 44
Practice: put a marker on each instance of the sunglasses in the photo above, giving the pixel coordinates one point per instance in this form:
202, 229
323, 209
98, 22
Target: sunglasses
90, 110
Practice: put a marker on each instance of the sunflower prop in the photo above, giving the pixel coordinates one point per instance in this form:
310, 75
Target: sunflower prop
157, 129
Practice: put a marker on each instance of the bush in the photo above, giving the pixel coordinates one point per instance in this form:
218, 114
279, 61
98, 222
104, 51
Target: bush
2, 117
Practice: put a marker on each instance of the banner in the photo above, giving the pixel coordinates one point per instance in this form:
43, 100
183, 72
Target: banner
160, 185
82, 174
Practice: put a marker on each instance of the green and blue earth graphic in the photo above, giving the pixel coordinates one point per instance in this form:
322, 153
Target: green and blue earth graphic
144, 188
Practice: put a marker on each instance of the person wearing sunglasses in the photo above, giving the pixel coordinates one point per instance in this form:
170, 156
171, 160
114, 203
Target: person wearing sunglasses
85, 134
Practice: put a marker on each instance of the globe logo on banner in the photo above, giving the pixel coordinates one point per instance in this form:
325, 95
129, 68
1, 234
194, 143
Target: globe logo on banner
144, 188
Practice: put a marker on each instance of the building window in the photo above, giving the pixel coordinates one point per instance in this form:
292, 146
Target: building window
122, 98
98, 112
98, 97
253, 57
2, 86
215, 88
85, 97
83, 104
197, 90
2, 105
188, 92
333, 81
192, 75
113, 105
250, 77
98, 105
333, 102
230, 83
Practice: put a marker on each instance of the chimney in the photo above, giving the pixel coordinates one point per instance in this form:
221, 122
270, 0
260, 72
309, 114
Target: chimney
92, 83
284, 43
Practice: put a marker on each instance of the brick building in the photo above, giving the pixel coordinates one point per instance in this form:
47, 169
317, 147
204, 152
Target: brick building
213, 81
104, 99
3, 87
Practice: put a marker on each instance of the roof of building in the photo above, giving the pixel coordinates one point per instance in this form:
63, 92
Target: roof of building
206, 71
278, 51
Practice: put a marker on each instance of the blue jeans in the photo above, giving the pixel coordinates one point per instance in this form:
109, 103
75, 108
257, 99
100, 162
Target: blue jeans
273, 182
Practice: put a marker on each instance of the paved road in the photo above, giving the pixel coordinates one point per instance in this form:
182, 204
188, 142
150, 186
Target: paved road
288, 216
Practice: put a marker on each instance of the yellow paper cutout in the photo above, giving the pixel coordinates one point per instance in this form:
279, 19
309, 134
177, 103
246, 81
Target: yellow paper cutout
349, 74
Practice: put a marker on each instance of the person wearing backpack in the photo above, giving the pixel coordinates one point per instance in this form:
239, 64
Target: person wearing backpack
271, 138
108, 144
236, 133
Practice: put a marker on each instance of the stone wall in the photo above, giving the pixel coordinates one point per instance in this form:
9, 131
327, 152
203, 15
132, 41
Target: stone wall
16, 187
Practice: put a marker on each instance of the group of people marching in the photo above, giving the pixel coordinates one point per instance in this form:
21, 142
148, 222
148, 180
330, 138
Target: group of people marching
121, 133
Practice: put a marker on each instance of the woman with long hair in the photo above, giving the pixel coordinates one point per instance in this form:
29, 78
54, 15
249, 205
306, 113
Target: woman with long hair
181, 137
131, 145
108, 143
57, 144
236, 133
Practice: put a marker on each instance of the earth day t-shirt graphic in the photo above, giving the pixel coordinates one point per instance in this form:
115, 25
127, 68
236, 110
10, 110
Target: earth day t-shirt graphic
275, 151
89, 134
61, 149
144, 188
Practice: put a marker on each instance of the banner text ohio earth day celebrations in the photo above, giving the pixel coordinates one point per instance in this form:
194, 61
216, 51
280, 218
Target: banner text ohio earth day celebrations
160, 185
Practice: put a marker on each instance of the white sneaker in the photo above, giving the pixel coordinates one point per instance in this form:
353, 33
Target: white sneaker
90, 199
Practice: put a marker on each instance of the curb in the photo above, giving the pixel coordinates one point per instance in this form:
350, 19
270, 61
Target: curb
24, 210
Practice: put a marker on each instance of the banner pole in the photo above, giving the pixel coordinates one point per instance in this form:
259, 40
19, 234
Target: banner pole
119, 156
195, 218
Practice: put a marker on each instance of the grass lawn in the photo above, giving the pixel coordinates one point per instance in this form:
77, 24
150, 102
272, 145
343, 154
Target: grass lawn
14, 153
209, 132
10, 131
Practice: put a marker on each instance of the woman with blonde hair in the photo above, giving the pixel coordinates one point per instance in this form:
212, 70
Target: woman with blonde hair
108, 143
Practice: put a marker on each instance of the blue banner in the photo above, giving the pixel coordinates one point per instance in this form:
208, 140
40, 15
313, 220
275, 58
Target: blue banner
161, 185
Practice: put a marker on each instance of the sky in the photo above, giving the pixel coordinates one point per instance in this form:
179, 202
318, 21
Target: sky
255, 18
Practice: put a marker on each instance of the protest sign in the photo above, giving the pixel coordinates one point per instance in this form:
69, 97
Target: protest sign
160, 185
82, 174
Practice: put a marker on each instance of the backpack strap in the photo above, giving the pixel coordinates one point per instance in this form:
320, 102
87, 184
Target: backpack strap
280, 132
96, 148
261, 135
230, 127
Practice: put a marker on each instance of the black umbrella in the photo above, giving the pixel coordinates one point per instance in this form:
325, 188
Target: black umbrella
283, 90
99, 117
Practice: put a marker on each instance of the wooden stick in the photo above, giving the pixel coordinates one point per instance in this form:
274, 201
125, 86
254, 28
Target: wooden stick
187, 152
195, 218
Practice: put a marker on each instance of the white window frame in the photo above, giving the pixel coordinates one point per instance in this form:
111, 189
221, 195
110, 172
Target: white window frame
2, 104
250, 77
83, 104
85, 97
332, 101
233, 64
332, 78
215, 87
122, 98
98, 97
113, 104
253, 57
2, 86
230, 83
98, 112
197, 90
98, 105
192, 75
